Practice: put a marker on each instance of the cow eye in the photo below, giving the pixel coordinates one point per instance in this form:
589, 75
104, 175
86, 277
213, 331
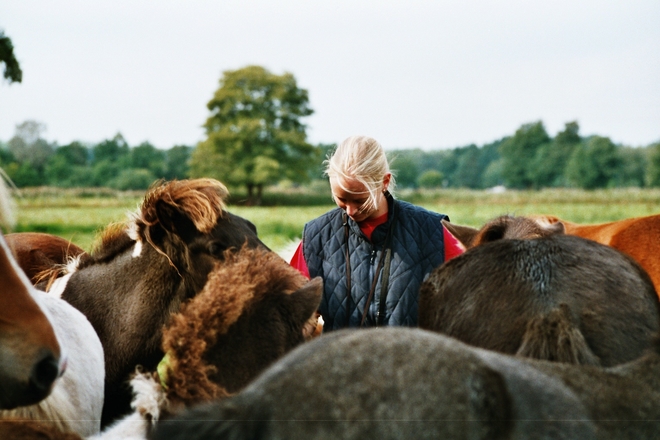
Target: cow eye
215, 249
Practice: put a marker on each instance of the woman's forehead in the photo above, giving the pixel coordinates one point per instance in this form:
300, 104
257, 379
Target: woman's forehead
347, 185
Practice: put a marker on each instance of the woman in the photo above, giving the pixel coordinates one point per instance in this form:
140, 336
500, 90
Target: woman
375, 247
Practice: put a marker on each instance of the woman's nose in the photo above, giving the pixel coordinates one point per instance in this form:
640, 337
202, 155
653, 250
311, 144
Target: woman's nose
351, 209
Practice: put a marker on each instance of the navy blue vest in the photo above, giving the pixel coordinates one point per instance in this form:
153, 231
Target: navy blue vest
417, 247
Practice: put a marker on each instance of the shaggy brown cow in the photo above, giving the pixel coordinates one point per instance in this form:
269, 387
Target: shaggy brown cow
558, 297
253, 310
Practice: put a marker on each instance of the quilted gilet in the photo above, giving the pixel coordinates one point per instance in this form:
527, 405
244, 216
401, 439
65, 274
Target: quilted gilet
417, 248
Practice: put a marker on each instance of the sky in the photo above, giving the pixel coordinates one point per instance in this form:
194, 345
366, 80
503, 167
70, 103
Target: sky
412, 74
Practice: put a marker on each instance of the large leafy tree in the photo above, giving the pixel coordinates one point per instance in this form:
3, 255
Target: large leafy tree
12, 72
255, 135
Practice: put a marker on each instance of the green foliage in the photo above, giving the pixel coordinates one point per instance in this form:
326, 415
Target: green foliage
653, 170
547, 167
593, 163
177, 162
22, 174
632, 169
74, 153
12, 71
468, 172
430, 179
255, 135
147, 157
111, 150
405, 170
104, 171
519, 151
132, 178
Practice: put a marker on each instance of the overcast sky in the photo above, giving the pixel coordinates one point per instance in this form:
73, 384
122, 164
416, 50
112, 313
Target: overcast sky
414, 73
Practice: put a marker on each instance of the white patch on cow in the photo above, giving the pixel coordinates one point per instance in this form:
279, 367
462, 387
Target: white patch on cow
132, 231
58, 286
72, 264
137, 249
133, 234
148, 400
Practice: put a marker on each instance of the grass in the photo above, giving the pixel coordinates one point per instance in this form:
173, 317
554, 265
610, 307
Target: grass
79, 214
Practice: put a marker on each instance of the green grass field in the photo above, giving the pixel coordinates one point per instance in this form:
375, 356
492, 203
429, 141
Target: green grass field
78, 215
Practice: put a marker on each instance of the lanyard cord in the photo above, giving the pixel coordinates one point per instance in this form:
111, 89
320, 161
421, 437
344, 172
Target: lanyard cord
385, 256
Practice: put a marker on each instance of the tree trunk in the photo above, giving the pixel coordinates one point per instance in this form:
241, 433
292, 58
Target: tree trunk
250, 199
260, 191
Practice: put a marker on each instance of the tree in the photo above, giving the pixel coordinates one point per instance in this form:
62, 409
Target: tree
111, 150
405, 170
430, 179
519, 151
254, 133
653, 170
32, 151
468, 172
132, 178
12, 72
69, 166
593, 163
147, 157
75, 154
549, 164
632, 171
177, 162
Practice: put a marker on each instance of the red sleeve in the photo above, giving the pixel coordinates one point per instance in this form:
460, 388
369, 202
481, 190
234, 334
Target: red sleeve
453, 247
298, 261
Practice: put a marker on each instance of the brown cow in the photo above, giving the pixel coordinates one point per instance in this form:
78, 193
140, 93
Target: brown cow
503, 227
38, 253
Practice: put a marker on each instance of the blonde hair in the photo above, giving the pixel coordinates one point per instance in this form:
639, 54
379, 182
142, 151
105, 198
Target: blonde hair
363, 159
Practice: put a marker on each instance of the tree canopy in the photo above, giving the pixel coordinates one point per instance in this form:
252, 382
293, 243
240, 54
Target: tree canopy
255, 135
12, 71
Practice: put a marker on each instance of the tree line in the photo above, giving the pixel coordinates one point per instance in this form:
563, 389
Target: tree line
29, 160
532, 159
255, 136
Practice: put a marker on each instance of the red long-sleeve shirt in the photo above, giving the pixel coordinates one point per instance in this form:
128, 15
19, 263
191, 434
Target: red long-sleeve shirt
453, 247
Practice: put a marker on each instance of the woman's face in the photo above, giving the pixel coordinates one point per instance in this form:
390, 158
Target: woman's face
353, 199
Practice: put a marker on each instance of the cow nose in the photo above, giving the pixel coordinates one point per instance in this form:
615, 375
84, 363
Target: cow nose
45, 372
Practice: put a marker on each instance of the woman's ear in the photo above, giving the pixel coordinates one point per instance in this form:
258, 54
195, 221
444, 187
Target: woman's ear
386, 181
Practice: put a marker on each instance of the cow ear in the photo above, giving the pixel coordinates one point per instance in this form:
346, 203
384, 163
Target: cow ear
174, 221
306, 300
557, 228
464, 234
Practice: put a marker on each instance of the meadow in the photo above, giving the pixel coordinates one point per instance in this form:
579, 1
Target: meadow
78, 214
